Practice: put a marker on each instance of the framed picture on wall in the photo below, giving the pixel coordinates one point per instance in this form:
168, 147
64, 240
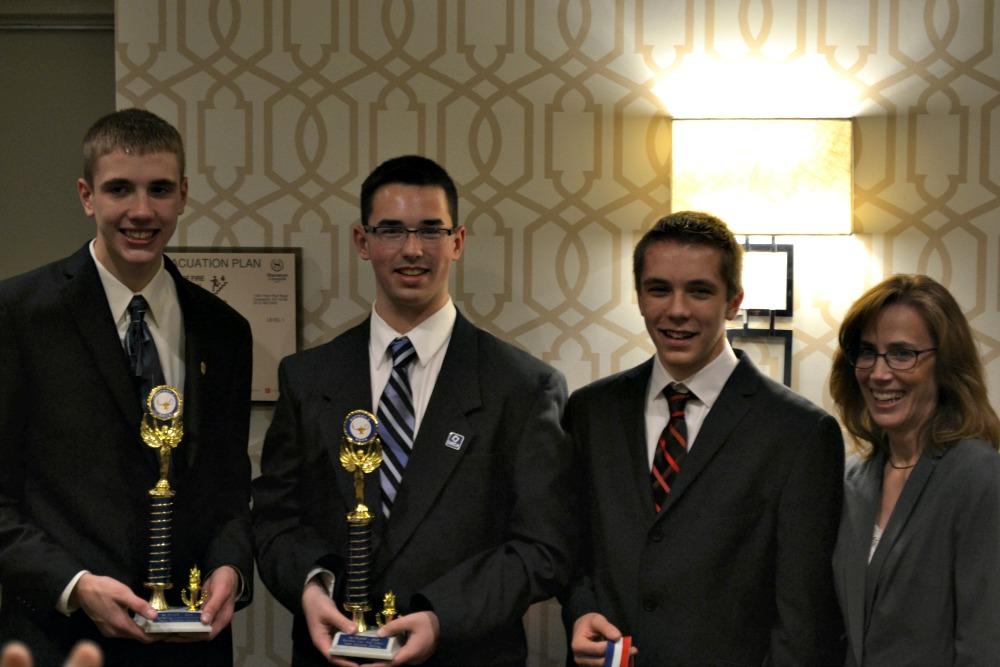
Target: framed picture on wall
264, 286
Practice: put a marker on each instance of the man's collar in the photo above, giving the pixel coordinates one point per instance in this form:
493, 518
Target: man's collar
426, 338
708, 382
156, 292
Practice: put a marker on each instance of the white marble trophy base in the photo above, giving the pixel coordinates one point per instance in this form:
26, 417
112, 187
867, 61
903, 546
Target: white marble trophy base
365, 645
175, 621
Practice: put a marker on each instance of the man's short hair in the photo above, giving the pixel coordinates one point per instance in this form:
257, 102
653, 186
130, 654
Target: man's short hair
130, 131
699, 228
409, 170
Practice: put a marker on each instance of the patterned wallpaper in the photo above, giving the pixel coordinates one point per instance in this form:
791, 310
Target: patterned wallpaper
554, 119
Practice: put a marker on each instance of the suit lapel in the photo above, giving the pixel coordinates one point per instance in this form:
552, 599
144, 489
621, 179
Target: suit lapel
726, 413
85, 298
630, 407
194, 342
901, 514
345, 387
861, 502
457, 392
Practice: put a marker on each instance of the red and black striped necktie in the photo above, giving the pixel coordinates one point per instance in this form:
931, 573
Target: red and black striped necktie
672, 446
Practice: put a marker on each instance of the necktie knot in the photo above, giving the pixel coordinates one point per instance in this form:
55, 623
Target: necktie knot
137, 308
677, 397
402, 351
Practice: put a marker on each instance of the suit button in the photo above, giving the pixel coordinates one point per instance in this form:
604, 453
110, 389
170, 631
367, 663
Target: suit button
656, 536
649, 603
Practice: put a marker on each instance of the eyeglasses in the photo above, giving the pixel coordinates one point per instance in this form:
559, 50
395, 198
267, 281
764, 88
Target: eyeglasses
395, 235
900, 359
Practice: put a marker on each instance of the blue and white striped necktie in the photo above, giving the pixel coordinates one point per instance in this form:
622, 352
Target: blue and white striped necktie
396, 420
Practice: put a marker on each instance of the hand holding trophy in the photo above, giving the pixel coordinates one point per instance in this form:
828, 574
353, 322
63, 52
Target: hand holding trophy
162, 429
361, 454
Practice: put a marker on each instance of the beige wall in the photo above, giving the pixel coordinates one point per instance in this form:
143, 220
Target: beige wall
544, 113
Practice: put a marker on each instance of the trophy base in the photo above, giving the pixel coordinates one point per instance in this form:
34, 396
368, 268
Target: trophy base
365, 645
175, 621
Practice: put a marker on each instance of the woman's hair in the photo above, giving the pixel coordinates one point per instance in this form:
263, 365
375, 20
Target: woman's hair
963, 408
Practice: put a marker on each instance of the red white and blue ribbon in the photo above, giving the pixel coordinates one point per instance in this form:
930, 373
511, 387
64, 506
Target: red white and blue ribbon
616, 654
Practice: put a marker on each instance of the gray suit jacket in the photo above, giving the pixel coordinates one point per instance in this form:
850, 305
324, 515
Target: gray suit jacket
477, 533
931, 594
735, 569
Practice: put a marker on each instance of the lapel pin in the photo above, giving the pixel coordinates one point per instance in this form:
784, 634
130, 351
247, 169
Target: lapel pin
454, 440
203, 368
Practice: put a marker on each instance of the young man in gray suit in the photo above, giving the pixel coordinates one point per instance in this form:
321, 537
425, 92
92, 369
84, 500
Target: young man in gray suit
472, 508
74, 482
712, 494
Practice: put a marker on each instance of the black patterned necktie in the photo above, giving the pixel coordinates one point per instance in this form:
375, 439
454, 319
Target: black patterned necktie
396, 420
672, 446
143, 359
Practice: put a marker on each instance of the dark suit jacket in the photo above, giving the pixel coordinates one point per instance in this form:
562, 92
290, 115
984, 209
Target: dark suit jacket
477, 534
931, 595
735, 569
75, 473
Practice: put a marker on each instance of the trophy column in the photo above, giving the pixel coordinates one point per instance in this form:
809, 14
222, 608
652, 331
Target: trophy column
359, 558
160, 520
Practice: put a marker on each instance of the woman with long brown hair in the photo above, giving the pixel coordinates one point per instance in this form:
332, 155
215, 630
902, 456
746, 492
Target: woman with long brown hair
917, 562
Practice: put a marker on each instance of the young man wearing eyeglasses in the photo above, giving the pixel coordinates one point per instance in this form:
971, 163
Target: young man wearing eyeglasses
471, 519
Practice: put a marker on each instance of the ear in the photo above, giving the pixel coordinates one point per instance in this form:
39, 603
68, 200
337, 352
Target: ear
184, 194
457, 243
361, 242
86, 194
733, 306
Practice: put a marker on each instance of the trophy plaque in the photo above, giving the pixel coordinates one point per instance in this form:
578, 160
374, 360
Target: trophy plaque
162, 429
361, 454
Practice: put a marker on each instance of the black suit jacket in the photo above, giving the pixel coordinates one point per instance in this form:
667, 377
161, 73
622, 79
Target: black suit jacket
735, 569
75, 473
477, 534
931, 594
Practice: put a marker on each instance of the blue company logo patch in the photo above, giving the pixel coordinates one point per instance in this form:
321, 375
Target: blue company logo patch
454, 440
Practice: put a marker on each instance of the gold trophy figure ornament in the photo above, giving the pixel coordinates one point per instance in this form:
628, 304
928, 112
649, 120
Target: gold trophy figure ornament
193, 596
361, 454
388, 609
162, 430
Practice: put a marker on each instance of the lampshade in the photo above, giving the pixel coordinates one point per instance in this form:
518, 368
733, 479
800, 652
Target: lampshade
765, 176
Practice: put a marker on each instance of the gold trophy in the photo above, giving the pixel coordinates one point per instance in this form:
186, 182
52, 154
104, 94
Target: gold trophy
162, 429
361, 454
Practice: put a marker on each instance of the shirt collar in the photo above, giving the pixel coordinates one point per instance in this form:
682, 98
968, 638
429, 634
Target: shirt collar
707, 383
156, 292
427, 337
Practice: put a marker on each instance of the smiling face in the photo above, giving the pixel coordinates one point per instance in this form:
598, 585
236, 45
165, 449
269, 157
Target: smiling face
682, 298
899, 402
135, 199
411, 279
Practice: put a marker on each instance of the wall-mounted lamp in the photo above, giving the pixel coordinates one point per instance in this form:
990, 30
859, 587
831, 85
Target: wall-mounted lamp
766, 177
